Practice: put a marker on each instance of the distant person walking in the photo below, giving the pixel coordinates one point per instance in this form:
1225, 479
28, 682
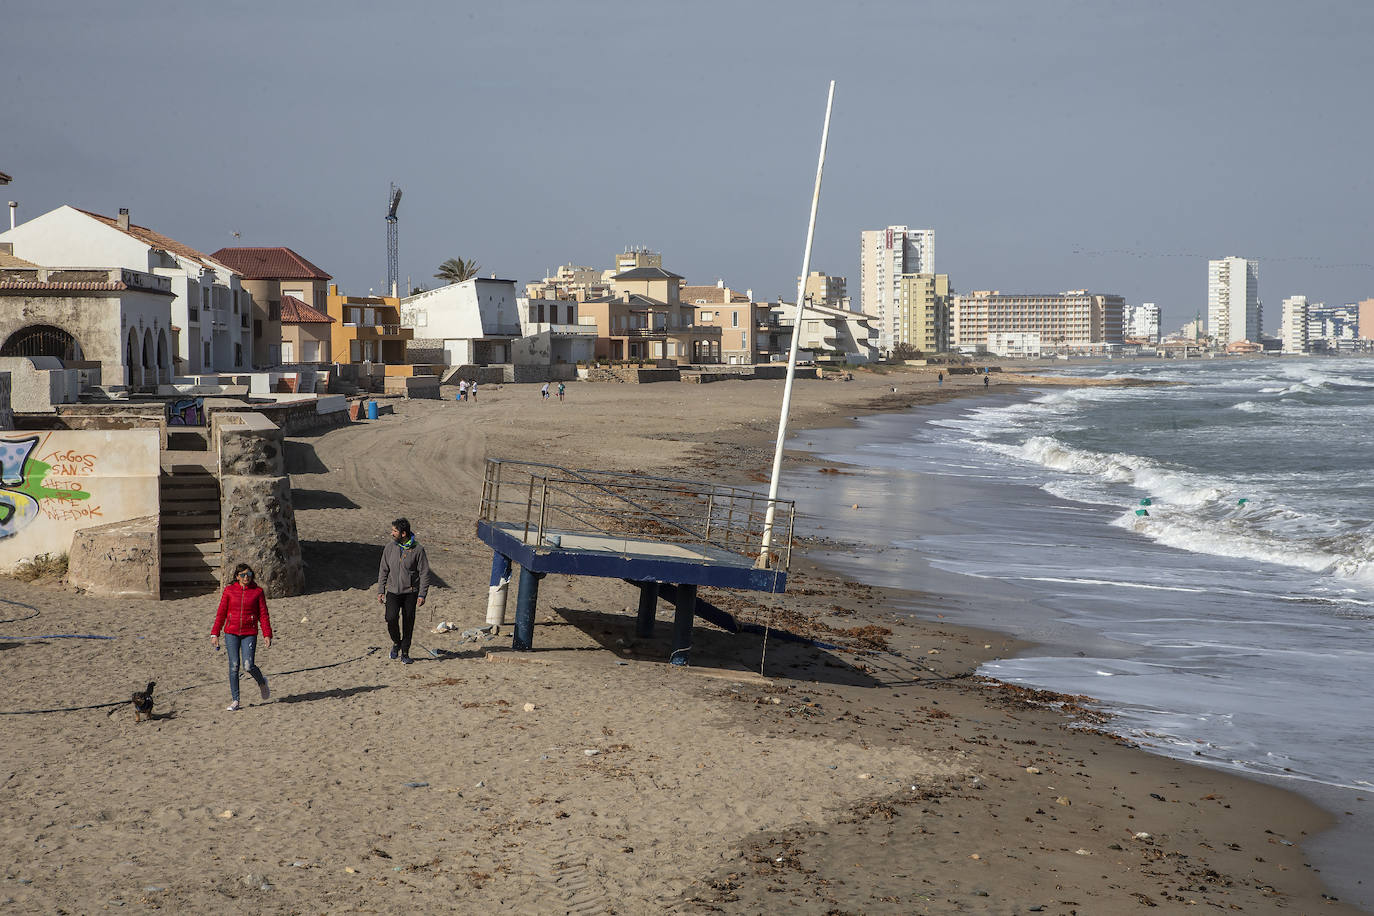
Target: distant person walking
472, 391
242, 606
462, 389
544, 391
560, 392
939, 378
402, 583
985, 379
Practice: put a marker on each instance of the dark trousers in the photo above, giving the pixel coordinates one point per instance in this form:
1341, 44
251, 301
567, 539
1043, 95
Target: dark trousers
400, 619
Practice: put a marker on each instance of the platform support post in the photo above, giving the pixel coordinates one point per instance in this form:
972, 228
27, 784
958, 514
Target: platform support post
682, 623
499, 590
648, 607
525, 602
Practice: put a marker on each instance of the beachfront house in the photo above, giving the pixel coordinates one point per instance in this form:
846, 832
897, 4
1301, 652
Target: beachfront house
827, 333
738, 317
269, 276
473, 323
105, 325
210, 330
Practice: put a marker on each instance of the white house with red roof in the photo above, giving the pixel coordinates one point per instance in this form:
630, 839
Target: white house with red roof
211, 329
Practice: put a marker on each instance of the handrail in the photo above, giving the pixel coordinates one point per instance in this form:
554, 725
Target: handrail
628, 507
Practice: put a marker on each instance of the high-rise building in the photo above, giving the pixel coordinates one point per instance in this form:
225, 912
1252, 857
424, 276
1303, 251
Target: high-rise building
1141, 322
1233, 305
1327, 324
1293, 330
1075, 321
1365, 318
923, 312
823, 289
884, 256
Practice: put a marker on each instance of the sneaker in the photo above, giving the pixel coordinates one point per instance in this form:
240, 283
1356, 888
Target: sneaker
232, 707
395, 651
266, 694
406, 659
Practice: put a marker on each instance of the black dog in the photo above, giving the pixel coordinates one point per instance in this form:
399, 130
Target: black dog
143, 702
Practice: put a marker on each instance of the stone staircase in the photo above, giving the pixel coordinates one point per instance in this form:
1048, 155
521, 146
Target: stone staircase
190, 513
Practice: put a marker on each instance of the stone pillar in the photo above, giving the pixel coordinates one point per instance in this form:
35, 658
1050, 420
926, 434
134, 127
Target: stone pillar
257, 520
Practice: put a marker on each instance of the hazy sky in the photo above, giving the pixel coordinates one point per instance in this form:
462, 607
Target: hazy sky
1051, 145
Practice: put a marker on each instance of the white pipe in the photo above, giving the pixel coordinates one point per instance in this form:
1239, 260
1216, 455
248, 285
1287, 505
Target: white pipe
762, 561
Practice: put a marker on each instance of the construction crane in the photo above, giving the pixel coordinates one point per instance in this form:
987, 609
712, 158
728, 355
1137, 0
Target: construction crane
393, 244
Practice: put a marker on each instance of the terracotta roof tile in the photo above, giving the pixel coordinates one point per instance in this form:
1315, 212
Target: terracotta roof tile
709, 295
278, 263
294, 311
647, 273
43, 286
155, 239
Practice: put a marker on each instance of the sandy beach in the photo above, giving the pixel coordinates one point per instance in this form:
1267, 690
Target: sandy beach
588, 776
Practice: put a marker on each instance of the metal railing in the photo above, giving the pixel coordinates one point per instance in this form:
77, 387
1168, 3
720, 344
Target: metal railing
545, 501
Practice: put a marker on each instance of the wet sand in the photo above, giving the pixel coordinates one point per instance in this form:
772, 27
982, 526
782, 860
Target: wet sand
588, 776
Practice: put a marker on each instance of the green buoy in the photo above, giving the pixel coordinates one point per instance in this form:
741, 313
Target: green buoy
1146, 502
1141, 512
1242, 501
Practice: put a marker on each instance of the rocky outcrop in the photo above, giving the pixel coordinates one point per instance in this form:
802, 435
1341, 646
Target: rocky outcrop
118, 560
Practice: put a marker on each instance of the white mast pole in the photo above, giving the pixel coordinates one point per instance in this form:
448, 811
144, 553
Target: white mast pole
792, 351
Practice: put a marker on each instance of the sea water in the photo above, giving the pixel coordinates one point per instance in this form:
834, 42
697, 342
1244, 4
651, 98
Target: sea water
1197, 557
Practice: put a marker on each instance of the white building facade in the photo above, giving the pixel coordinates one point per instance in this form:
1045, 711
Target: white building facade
1233, 302
1293, 330
1141, 322
210, 310
476, 321
885, 255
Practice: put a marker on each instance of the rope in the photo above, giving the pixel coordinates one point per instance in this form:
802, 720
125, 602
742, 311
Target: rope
35, 610
35, 712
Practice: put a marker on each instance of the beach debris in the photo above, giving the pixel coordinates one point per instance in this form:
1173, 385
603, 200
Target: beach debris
865, 776
486, 631
591, 752
416, 785
1082, 852
305, 620
1142, 835
255, 880
300, 864
529, 707
350, 869
1157, 797
444, 626
855, 506
618, 662
1034, 771
227, 812
481, 784
1063, 800
975, 856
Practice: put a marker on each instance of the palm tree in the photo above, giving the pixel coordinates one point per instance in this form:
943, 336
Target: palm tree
456, 270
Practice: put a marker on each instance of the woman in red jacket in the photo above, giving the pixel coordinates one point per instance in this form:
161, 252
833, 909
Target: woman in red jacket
240, 608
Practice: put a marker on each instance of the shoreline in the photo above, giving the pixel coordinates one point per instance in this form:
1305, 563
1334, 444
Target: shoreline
680, 807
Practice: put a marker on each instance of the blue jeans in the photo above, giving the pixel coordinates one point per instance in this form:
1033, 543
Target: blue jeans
245, 647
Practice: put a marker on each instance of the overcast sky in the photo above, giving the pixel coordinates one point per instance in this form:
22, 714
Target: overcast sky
1051, 145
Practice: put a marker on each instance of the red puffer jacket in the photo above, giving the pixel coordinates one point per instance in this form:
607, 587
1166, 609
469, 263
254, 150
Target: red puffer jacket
240, 609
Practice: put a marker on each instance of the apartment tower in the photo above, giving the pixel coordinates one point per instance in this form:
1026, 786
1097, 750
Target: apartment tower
1293, 331
885, 255
1233, 303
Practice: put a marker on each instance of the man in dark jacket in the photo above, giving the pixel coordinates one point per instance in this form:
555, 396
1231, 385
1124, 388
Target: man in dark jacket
402, 583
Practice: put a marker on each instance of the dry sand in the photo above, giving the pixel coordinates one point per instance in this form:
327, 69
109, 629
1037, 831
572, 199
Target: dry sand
840, 782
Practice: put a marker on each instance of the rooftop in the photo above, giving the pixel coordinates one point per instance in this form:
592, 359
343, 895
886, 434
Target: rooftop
279, 263
294, 311
647, 273
154, 239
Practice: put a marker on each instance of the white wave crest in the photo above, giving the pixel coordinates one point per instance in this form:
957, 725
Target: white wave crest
1134, 470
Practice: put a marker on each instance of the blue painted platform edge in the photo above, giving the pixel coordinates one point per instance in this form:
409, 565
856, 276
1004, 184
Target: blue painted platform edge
643, 569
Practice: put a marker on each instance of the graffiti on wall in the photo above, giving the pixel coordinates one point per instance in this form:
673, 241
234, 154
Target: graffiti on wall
34, 483
186, 412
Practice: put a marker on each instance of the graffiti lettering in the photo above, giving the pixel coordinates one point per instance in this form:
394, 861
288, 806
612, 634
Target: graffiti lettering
83, 464
69, 512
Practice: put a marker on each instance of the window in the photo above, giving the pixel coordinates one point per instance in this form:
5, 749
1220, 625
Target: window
288, 351
310, 351
207, 355
274, 310
734, 319
705, 317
